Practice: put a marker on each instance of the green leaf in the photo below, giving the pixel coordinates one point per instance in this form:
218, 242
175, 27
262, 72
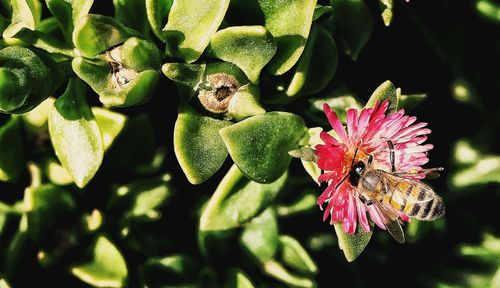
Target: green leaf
410, 101
352, 244
295, 256
320, 11
110, 123
26, 79
17, 252
259, 145
68, 13
189, 75
245, 103
278, 272
48, 207
312, 140
75, 134
38, 117
190, 27
465, 152
339, 99
142, 199
387, 14
55, 172
249, 47
104, 265
5, 284
386, 91
488, 9
175, 269
132, 13
260, 236
485, 170
140, 64
318, 63
305, 202
238, 279
289, 24
237, 200
197, 144
157, 12
353, 25
314, 70
24, 16
93, 34
12, 160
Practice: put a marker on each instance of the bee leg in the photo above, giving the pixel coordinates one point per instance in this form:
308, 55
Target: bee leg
365, 201
392, 155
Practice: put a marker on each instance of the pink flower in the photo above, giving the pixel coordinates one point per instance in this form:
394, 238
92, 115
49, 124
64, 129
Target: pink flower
369, 132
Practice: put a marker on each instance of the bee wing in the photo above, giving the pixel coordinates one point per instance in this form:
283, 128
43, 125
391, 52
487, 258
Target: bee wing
391, 221
401, 191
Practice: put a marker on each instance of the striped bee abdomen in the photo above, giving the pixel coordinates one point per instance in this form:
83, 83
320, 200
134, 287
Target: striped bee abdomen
427, 211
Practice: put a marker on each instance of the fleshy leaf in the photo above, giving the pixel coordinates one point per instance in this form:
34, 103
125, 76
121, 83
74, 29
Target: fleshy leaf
175, 269
93, 34
353, 25
259, 145
339, 99
75, 134
312, 140
410, 101
289, 23
352, 244
55, 172
68, 13
142, 199
277, 271
157, 12
306, 202
48, 207
110, 124
387, 14
24, 16
386, 91
295, 256
315, 68
238, 279
190, 27
245, 103
320, 11
465, 153
104, 265
12, 158
132, 14
38, 117
189, 75
198, 145
140, 66
260, 236
249, 47
237, 200
485, 170
26, 79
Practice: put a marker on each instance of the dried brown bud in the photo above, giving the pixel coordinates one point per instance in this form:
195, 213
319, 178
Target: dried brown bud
218, 93
120, 75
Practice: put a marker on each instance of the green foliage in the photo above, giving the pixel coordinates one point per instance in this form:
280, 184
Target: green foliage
93, 188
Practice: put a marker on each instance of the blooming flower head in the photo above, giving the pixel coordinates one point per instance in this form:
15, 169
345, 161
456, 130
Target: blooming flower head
368, 132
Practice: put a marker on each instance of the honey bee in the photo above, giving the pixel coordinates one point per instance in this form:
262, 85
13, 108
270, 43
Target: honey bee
392, 193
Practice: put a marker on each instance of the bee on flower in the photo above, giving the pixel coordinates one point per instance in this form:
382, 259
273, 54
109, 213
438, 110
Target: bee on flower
374, 167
